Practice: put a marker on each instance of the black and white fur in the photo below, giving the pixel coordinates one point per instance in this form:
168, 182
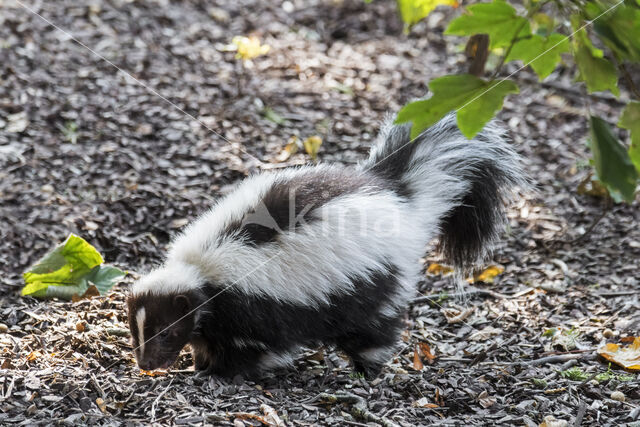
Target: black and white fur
323, 254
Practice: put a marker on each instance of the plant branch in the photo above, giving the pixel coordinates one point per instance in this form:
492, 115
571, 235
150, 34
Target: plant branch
357, 407
629, 79
516, 37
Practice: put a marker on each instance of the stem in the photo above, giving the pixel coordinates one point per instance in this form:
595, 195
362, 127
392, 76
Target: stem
516, 37
629, 79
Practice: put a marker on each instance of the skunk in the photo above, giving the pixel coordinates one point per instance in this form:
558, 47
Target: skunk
323, 254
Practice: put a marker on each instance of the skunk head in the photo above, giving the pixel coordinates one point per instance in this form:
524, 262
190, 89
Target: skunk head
162, 314
161, 325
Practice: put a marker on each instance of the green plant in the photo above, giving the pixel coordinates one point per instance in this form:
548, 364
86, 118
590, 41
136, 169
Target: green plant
574, 374
539, 33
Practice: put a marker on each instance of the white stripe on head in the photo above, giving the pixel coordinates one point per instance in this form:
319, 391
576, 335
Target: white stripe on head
140, 317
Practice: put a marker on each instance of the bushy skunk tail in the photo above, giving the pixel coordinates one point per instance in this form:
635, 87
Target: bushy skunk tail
454, 184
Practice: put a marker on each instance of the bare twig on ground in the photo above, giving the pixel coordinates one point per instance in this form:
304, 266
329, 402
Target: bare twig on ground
558, 359
472, 291
357, 407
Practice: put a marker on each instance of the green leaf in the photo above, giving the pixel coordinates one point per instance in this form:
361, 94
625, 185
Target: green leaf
612, 163
597, 72
542, 54
619, 28
631, 120
475, 100
271, 115
412, 11
71, 264
498, 19
104, 277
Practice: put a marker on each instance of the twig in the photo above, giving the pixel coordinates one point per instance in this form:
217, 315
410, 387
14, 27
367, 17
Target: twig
617, 294
118, 332
580, 415
605, 210
472, 291
155, 402
627, 77
557, 359
477, 50
515, 37
357, 407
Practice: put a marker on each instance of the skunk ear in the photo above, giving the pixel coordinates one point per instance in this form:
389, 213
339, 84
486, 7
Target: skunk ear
182, 304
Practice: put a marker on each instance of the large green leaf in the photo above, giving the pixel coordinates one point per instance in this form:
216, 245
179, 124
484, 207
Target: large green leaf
631, 120
597, 72
72, 264
412, 11
498, 19
541, 53
612, 163
475, 100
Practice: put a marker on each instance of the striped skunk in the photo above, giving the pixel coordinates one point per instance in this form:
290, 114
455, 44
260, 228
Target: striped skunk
323, 254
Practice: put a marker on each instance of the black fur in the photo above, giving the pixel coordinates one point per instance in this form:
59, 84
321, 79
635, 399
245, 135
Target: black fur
392, 161
289, 204
353, 324
476, 221
470, 228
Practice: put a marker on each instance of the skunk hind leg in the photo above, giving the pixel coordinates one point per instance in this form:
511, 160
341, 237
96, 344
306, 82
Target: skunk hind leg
370, 350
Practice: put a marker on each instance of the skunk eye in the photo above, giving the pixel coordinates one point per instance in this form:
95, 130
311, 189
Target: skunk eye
164, 333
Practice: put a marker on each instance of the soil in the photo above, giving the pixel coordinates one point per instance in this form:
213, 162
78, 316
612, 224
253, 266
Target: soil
126, 158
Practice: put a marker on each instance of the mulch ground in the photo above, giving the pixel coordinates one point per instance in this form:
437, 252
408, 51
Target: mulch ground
89, 150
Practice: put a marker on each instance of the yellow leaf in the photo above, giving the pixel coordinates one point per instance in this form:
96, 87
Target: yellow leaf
435, 269
627, 357
488, 274
289, 150
412, 11
249, 47
101, 404
34, 355
152, 373
312, 146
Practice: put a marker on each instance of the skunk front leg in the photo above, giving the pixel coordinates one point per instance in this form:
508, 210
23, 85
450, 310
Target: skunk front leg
203, 356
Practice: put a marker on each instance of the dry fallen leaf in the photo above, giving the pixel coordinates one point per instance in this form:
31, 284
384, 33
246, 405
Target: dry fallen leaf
152, 373
627, 357
439, 269
486, 333
417, 363
456, 316
289, 150
426, 351
101, 404
423, 402
34, 355
592, 187
271, 416
551, 421
485, 400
